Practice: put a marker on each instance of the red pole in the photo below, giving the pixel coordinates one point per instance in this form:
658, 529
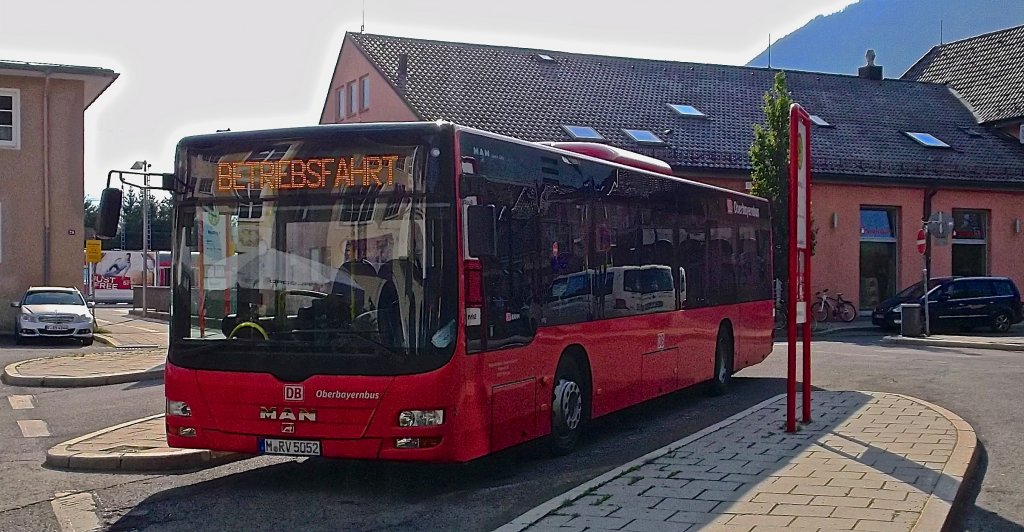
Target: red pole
807, 274
792, 290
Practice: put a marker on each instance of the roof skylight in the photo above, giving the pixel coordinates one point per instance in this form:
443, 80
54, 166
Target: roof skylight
583, 132
819, 121
926, 139
545, 58
643, 136
686, 110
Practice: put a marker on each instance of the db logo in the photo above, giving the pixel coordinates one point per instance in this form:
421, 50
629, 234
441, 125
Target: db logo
292, 392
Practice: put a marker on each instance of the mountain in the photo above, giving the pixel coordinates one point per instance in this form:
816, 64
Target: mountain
899, 31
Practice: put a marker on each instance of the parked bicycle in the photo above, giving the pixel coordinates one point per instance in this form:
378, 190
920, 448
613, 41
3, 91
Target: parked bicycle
782, 317
828, 308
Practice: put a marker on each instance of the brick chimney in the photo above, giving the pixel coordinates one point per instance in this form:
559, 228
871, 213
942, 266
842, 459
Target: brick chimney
870, 70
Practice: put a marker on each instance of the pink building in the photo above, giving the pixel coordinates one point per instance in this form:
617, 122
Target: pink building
886, 153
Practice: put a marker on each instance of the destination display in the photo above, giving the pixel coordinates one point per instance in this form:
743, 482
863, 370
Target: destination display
315, 173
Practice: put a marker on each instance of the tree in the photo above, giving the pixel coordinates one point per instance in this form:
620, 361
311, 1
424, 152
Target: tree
769, 166
91, 210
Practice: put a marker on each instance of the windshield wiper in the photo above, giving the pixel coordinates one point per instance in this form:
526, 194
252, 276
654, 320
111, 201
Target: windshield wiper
347, 333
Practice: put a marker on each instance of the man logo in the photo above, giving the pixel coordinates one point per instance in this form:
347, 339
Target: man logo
292, 392
288, 428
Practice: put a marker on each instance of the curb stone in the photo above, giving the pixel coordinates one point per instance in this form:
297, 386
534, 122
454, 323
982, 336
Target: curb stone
12, 377
60, 456
940, 342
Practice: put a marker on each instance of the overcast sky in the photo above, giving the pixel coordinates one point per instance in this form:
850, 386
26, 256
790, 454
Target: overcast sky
189, 67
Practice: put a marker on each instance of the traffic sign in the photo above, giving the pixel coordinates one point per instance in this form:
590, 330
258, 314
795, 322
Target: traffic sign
93, 251
921, 242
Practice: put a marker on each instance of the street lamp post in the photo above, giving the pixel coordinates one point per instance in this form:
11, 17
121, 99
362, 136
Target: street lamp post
144, 166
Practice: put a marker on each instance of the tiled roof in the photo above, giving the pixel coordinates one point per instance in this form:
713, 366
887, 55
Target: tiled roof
509, 91
987, 70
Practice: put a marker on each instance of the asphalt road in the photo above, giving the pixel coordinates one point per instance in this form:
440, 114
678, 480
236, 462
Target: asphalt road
281, 493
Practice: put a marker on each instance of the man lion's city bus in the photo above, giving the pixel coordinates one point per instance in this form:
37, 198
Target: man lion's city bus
425, 291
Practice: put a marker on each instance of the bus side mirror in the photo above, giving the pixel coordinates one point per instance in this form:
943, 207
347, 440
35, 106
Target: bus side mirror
482, 228
109, 213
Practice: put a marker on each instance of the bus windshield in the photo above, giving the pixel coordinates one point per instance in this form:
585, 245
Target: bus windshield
332, 250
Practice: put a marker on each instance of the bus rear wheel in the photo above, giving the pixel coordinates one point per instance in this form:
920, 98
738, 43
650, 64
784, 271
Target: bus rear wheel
724, 353
567, 407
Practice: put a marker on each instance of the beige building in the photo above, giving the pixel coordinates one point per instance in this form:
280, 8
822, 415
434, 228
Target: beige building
42, 110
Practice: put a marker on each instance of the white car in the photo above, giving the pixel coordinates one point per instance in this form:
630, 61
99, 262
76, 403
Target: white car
53, 312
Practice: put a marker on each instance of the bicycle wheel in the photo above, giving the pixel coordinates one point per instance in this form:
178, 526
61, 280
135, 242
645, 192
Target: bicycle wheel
821, 310
847, 312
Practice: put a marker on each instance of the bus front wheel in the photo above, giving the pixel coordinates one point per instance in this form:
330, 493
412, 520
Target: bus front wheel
724, 352
567, 412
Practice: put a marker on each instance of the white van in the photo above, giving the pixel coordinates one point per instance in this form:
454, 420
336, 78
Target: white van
616, 291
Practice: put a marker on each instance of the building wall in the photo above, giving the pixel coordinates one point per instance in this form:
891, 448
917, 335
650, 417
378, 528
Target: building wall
385, 103
836, 262
21, 192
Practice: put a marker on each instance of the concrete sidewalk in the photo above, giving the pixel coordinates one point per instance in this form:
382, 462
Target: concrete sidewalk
137, 445
124, 329
868, 461
89, 369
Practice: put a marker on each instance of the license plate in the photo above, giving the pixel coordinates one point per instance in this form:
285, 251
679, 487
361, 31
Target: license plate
56, 327
290, 447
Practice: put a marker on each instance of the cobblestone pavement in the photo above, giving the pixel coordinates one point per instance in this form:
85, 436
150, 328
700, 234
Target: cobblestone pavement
868, 461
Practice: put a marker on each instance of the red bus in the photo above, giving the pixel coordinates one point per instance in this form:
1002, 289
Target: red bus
430, 292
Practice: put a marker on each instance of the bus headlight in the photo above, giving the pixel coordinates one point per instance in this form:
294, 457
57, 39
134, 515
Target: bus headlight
178, 408
420, 418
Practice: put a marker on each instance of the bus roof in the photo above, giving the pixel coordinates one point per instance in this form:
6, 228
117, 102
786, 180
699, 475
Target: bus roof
327, 130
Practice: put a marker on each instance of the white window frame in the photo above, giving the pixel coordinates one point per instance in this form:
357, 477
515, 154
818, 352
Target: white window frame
341, 102
364, 93
353, 97
15, 142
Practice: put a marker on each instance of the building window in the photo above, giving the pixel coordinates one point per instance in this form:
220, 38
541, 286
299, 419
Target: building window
364, 91
353, 99
341, 103
582, 132
970, 242
10, 119
878, 254
686, 110
643, 136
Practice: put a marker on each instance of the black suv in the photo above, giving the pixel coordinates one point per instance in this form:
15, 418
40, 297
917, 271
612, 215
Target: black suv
959, 303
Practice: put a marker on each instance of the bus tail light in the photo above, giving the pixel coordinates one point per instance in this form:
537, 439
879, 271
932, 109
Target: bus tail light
474, 283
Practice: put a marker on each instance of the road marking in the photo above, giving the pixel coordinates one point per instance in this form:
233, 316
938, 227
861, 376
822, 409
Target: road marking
75, 512
33, 428
103, 322
143, 329
21, 402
